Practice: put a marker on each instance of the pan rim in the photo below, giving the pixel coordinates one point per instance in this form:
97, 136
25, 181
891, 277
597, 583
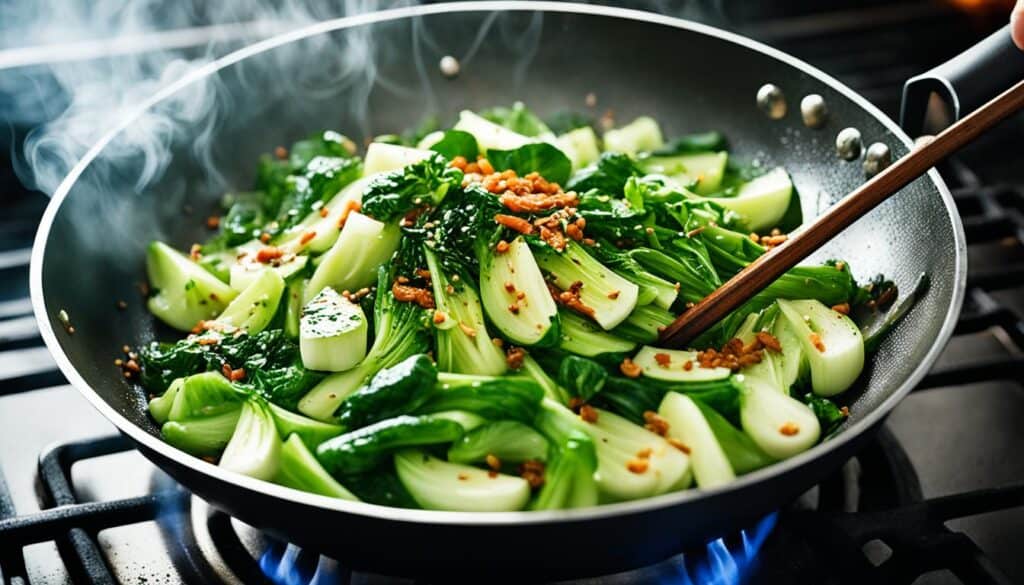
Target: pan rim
327, 504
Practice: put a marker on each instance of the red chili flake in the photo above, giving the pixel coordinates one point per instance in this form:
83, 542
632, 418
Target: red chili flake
268, 253
768, 340
655, 423
789, 429
533, 472
411, 294
817, 342
679, 445
306, 237
350, 206
637, 466
588, 413
213, 222
467, 329
663, 359
630, 369
514, 357
514, 223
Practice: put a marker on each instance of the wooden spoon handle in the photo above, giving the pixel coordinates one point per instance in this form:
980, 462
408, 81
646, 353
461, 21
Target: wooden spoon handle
771, 265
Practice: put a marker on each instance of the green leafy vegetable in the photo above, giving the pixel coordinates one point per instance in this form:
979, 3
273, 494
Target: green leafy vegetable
400, 331
518, 119
569, 476
494, 398
362, 450
540, 157
399, 389
457, 143
393, 194
690, 143
608, 175
382, 487
321, 178
830, 416
299, 469
508, 440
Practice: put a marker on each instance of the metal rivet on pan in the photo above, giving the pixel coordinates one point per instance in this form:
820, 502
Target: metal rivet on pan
848, 144
813, 110
771, 101
876, 158
450, 66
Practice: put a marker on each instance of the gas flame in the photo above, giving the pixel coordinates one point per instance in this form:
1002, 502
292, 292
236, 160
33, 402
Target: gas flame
721, 563
725, 565
290, 565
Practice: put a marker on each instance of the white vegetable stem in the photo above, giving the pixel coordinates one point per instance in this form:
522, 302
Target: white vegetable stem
534, 311
254, 448
831, 343
687, 424
780, 425
332, 333
634, 462
642, 134
253, 309
490, 136
352, 262
382, 157
763, 201
438, 485
670, 365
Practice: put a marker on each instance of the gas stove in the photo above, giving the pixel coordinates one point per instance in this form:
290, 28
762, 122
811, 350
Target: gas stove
937, 497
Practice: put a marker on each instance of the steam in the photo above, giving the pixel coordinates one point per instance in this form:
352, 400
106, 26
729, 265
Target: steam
113, 55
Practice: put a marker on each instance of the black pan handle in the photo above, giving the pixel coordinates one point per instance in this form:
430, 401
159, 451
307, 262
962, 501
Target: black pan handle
936, 99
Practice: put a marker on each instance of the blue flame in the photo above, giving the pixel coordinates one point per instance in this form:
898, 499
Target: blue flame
719, 564
290, 565
722, 565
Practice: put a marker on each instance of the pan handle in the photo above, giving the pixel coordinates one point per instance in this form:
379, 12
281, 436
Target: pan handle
937, 98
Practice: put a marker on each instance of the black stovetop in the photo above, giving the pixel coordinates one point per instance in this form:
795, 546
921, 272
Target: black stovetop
937, 498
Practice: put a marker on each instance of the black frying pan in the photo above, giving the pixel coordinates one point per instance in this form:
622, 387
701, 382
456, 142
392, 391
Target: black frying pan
90, 246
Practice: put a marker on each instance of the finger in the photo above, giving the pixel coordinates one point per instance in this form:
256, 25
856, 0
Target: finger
1017, 24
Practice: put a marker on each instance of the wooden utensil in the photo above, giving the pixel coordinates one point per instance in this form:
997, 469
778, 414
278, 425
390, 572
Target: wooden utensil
772, 264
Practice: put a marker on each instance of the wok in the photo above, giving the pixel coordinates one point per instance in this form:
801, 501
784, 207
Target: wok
90, 246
